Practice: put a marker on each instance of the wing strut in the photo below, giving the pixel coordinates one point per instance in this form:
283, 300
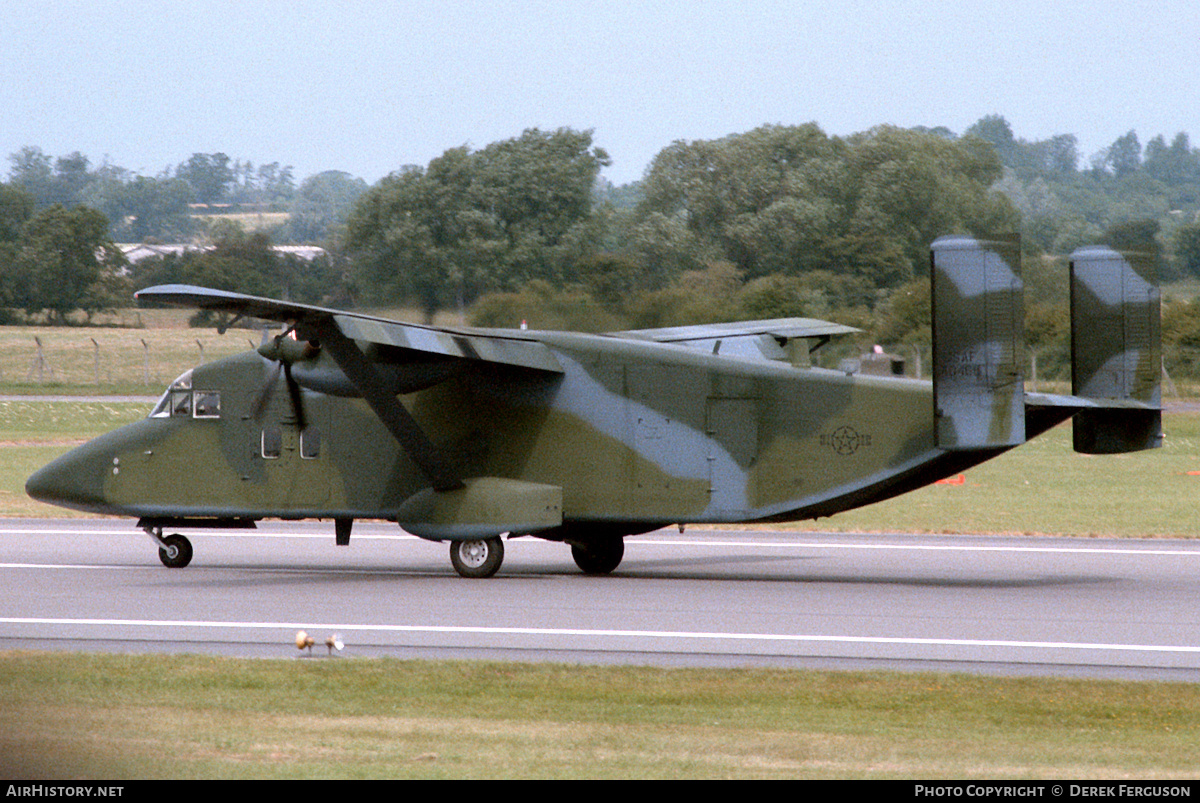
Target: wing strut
390, 411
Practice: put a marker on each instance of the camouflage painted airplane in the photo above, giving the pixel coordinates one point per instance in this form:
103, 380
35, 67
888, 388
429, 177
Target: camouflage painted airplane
467, 435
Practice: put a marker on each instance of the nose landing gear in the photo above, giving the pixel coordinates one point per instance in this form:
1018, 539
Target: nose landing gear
175, 550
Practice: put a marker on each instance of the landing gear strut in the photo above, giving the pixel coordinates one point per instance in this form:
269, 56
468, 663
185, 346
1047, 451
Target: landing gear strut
175, 551
477, 558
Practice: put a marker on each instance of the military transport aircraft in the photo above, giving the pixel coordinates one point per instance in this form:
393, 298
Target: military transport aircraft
467, 435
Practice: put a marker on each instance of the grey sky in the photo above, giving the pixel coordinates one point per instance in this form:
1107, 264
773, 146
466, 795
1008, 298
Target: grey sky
369, 86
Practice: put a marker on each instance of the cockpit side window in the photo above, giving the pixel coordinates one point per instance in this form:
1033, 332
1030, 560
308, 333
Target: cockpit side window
180, 401
206, 404
177, 401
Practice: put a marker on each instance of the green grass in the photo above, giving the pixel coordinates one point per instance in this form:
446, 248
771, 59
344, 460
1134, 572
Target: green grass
39, 421
1044, 487
103, 361
32, 433
125, 716
136, 352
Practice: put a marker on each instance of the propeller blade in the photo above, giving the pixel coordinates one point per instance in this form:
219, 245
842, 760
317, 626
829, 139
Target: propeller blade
381, 398
284, 351
264, 395
297, 399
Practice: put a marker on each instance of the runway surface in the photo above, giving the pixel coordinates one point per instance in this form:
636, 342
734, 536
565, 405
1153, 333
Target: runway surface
1010, 605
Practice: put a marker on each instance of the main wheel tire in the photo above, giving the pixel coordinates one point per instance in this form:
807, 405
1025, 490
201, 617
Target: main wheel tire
176, 551
599, 555
478, 558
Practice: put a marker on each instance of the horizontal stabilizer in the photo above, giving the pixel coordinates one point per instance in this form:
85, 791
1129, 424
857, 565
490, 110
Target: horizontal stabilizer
1116, 352
978, 342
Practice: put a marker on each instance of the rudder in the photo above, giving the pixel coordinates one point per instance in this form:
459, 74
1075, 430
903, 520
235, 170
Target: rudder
978, 342
1116, 351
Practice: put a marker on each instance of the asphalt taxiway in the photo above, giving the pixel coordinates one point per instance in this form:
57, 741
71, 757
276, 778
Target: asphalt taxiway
1008, 605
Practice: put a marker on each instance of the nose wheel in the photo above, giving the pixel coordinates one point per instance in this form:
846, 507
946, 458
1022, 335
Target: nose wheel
174, 550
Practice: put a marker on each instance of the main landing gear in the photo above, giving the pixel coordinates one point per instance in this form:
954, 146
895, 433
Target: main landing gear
600, 555
477, 558
175, 551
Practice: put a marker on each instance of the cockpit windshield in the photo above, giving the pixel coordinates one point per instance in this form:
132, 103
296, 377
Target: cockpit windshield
181, 401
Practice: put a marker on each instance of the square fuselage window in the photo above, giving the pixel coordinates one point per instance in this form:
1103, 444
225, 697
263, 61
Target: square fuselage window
272, 443
310, 443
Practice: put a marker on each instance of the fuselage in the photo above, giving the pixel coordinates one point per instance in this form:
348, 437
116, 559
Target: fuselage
636, 434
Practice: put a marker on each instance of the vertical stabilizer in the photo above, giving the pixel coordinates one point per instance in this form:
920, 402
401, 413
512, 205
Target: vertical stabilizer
978, 342
1116, 351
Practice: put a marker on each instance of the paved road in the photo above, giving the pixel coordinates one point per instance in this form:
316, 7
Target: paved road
725, 598
147, 400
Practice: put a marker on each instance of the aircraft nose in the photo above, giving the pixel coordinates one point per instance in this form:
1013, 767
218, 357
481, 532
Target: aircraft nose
68, 482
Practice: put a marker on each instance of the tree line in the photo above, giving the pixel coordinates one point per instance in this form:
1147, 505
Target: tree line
773, 222
161, 207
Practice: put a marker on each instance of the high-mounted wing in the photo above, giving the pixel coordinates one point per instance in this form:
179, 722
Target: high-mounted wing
772, 339
470, 344
784, 328
338, 332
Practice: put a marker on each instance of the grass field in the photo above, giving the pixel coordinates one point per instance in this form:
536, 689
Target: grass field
129, 716
137, 352
1044, 487
104, 361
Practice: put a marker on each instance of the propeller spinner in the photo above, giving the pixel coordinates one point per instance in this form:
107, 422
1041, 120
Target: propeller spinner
284, 350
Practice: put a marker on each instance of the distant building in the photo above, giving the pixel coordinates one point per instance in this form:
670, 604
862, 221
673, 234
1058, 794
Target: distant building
306, 252
136, 252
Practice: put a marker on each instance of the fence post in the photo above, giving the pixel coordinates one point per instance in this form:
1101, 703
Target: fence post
1170, 383
39, 364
